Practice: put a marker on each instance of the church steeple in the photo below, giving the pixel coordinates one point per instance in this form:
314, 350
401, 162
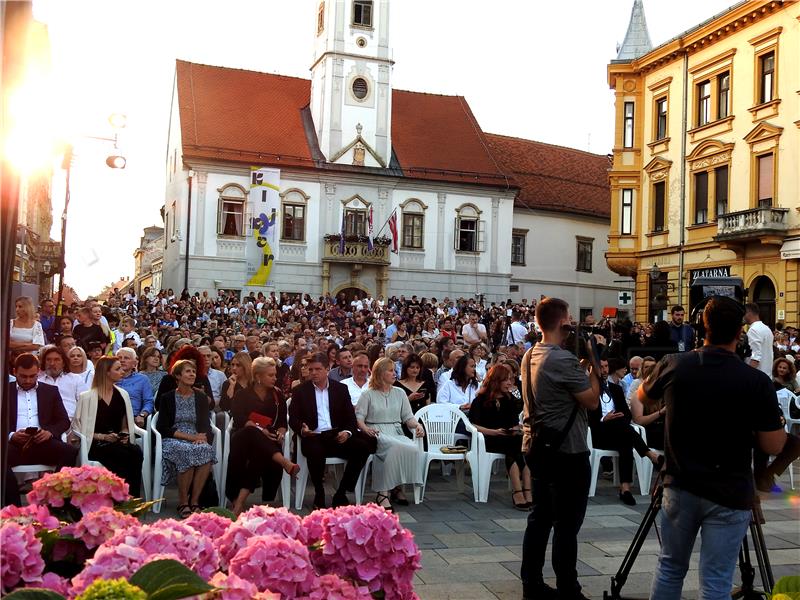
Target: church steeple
637, 39
351, 94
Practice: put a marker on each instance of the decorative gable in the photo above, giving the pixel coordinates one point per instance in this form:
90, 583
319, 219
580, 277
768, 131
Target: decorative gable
359, 146
658, 168
764, 132
709, 153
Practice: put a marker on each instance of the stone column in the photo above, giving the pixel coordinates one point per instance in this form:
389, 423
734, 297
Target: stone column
441, 226
383, 281
200, 180
326, 278
495, 233
328, 225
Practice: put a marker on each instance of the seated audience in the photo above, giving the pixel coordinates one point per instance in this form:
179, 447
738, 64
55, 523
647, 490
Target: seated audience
151, 366
70, 386
650, 414
462, 386
414, 383
241, 370
137, 385
358, 382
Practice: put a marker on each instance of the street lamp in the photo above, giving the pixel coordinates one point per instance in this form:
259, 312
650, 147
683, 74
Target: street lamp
655, 272
46, 266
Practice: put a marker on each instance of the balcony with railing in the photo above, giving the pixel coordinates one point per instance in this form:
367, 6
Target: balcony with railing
765, 224
355, 250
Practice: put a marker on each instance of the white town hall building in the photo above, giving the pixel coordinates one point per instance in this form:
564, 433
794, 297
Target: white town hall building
475, 213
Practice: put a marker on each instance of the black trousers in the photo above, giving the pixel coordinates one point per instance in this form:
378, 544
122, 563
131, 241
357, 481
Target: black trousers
52, 452
121, 459
510, 445
356, 451
560, 485
250, 462
620, 436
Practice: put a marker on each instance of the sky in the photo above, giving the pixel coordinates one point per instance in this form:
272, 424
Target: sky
527, 68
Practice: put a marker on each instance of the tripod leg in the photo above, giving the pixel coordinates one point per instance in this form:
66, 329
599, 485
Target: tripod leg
762, 556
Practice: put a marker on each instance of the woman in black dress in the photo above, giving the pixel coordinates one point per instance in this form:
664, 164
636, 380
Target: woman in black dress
494, 413
104, 417
259, 429
239, 379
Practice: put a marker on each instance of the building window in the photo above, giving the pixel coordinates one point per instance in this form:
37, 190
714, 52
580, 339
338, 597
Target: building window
766, 69
659, 205
362, 13
469, 229
766, 164
584, 255
230, 220
412, 230
700, 198
294, 222
723, 95
518, 247
627, 212
355, 221
627, 141
721, 190
703, 103
321, 18
661, 118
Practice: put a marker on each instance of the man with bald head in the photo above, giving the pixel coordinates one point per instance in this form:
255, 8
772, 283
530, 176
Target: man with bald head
137, 386
634, 366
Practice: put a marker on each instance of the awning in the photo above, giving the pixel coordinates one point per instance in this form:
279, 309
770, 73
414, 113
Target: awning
791, 249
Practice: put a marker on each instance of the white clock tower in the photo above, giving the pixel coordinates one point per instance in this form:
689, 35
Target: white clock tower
351, 94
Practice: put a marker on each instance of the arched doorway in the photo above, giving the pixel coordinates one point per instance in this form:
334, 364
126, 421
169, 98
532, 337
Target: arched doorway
763, 294
349, 294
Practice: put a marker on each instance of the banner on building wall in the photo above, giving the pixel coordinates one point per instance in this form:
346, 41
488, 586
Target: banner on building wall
264, 204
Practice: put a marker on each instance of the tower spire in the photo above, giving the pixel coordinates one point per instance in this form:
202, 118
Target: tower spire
637, 39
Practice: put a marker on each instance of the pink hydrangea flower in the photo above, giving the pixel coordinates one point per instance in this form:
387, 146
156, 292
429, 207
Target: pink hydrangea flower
87, 488
53, 582
333, 587
209, 524
112, 561
21, 558
169, 536
236, 588
31, 514
275, 563
368, 544
100, 525
259, 520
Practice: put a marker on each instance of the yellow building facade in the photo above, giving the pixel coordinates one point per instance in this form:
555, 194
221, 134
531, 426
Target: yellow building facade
706, 170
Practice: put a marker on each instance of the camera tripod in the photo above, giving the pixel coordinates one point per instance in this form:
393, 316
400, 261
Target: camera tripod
746, 591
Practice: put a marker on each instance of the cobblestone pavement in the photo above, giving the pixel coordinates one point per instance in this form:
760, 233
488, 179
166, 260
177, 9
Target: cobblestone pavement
472, 551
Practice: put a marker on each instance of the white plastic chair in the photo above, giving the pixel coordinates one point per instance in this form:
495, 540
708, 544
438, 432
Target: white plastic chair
142, 438
440, 422
302, 477
785, 398
595, 454
158, 465
644, 468
486, 462
286, 480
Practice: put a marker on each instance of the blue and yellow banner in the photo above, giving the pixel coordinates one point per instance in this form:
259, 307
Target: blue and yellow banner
264, 207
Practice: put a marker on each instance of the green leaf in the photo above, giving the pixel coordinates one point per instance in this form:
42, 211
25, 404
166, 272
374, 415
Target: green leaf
222, 512
787, 588
34, 594
135, 506
169, 580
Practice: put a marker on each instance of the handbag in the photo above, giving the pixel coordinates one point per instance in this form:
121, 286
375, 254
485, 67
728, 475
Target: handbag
262, 421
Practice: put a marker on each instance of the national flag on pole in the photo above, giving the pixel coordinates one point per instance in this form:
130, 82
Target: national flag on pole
370, 243
393, 229
341, 236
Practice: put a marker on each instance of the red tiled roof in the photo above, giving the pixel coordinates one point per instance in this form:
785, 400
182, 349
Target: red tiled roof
554, 177
246, 116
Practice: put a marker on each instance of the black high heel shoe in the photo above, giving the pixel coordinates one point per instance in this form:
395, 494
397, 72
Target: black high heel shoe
521, 505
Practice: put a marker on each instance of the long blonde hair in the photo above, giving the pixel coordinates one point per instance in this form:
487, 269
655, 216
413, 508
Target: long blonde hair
378, 369
84, 359
243, 358
28, 303
101, 379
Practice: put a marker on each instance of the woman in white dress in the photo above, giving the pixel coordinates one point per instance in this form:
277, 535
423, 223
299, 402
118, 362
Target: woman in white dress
381, 411
26, 333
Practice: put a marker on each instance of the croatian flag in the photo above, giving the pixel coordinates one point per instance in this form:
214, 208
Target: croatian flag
393, 229
370, 243
341, 237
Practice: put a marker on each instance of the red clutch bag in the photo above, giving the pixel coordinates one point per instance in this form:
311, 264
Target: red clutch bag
260, 420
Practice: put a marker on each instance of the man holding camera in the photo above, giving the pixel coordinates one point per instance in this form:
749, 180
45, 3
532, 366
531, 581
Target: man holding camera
717, 408
557, 393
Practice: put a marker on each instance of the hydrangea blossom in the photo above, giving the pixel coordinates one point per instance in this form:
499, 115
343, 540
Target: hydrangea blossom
275, 563
87, 488
52, 582
117, 589
209, 524
169, 536
236, 588
368, 544
259, 520
21, 558
98, 526
333, 587
32, 514
113, 561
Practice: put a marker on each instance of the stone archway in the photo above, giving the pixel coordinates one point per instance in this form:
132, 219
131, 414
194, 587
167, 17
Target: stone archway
763, 294
350, 292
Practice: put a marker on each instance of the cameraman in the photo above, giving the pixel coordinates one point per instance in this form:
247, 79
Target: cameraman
557, 393
715, 406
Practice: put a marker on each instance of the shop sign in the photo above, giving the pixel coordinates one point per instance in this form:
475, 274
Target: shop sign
709, 272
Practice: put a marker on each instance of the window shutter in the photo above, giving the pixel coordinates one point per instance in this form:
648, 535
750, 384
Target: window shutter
456, 234
481, 245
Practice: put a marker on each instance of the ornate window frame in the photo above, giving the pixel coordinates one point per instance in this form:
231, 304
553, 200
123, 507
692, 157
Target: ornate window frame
416, 208
658, 171
469, 212
707, 158
226, 196
293, 197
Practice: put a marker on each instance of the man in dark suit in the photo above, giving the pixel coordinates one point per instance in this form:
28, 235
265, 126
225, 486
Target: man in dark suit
611, 429
323, 416
34, 419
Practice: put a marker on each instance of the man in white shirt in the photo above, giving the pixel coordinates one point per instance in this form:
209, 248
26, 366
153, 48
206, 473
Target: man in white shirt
474, 332
634, 365
126, 332
760, 339
516, 331
69, 385
358, 382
